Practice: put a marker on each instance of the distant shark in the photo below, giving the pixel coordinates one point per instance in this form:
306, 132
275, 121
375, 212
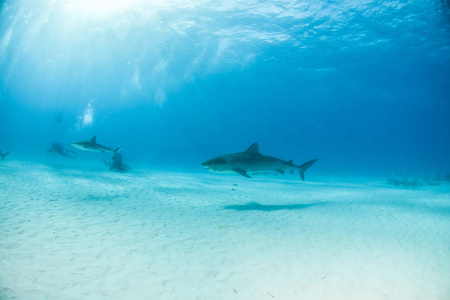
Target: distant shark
58, 118
93, 146
252, 160
3, 155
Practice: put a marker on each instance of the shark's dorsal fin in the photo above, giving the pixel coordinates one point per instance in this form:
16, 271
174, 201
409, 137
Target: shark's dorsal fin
253, 149
94, 139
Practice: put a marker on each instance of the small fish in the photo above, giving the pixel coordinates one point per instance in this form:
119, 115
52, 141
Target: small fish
226, 227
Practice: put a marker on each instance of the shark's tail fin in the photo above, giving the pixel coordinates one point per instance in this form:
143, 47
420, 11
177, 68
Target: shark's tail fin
117, 149
4, 154
305, 167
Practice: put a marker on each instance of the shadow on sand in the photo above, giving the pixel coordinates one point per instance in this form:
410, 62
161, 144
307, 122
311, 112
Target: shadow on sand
263, 207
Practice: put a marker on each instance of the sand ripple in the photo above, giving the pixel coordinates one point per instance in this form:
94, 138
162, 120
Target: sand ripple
74, 234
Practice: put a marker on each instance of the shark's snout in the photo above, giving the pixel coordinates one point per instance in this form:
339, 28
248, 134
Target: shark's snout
215, 165
209, 165
206, 165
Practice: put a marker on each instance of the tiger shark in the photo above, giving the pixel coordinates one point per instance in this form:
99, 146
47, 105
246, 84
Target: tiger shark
251, 160
92, 145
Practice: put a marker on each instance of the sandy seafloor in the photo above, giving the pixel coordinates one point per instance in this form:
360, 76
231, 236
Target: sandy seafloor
87, 233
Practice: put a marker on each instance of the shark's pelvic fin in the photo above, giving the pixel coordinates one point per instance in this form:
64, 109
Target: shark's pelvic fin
281, 171
305, 167
254, 149
94, 139
242, 172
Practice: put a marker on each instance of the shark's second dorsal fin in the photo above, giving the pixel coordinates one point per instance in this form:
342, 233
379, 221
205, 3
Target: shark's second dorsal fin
94, 140
254, 149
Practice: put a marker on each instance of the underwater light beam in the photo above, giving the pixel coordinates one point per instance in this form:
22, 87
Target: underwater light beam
88, 116
100, 8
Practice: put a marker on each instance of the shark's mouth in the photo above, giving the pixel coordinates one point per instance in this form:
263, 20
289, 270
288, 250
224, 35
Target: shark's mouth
210, 169
206, 165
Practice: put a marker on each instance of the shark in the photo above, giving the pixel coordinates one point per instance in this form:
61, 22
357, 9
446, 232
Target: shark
92, 145
251, 160
3, 155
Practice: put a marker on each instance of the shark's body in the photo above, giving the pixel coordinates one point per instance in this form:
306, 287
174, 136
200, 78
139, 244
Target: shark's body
3, 155
93, 146
253, 161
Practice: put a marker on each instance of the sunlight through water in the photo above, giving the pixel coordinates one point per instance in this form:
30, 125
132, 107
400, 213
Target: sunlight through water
100, 8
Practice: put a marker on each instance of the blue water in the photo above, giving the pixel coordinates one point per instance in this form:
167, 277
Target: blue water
362, 85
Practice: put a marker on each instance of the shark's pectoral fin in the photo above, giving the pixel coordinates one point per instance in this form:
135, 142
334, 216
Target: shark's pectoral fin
242, 172
281, 171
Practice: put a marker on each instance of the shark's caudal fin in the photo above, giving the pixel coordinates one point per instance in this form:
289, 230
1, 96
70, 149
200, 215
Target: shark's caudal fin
3, 155
305, 167
117, 149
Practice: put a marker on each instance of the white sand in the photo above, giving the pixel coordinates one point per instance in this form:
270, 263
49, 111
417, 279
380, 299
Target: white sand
88, 234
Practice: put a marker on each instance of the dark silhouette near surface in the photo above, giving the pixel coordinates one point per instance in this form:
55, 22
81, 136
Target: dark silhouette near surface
57, 148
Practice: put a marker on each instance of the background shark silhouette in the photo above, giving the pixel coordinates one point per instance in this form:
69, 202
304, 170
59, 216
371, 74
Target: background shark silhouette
93, 146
